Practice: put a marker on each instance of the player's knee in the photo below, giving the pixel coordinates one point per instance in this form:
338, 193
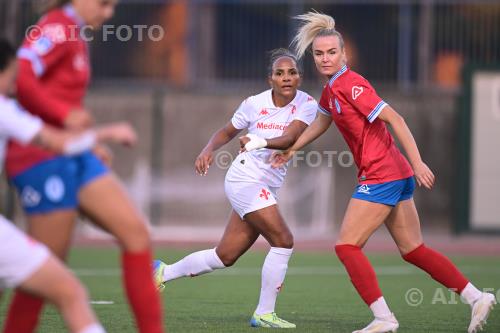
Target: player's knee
353, 241
136, 238
70, 291
409, 247
283, 240
228, 259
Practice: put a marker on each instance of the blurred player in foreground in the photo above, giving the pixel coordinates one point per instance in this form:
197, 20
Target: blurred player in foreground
24, 262
54, 72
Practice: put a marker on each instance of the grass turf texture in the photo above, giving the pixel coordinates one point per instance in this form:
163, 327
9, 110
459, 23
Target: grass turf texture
317, 295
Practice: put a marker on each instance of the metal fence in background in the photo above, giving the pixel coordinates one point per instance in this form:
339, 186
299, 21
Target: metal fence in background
411, 43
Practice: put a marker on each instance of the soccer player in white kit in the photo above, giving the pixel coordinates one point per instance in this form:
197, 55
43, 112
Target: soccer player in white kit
251, 185
24, 262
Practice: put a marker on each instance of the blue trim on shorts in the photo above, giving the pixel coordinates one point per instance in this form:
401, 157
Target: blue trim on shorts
389, 193
54, 184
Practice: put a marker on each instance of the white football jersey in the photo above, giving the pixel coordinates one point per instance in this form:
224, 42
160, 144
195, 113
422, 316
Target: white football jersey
261, 117
16, 124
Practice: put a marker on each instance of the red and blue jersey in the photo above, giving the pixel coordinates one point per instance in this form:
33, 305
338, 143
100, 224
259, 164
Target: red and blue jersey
54, 72
354, 106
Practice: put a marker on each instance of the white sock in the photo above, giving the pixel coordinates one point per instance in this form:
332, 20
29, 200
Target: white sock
93, 328
273, 275
470, 293
380, 308
196, 263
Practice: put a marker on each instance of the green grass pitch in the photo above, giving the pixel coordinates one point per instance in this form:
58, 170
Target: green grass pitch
317, 295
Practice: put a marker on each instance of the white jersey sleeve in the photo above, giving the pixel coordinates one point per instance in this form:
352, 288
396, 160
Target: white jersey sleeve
243, 115
17, 124
307, 111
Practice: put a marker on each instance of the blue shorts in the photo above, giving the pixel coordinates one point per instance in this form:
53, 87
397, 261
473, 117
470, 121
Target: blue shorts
54, 184
389, 193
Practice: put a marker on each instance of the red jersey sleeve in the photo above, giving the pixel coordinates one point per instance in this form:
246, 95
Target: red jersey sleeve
43, 50
361, 95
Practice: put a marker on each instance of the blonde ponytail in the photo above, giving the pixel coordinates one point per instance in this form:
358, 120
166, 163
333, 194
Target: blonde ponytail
314, 24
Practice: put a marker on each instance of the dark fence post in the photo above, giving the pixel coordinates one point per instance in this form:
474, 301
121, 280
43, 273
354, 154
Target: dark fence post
157, 146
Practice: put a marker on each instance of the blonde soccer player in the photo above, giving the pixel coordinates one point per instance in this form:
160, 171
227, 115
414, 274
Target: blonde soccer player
386, 179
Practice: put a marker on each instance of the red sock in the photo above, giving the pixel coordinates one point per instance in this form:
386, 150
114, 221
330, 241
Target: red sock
23, 313
360, 271
141, 291
438, 266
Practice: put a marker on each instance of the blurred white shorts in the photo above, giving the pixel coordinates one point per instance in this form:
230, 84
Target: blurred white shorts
20, 256
247, 197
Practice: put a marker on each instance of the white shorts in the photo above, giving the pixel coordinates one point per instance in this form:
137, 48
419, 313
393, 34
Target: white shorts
246, 197
20, 256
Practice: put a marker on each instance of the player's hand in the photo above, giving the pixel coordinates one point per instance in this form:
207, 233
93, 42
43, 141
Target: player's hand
121, 133
424, 175
280, 158
104, 154
78, 119
243, 141
203, 162
251, 142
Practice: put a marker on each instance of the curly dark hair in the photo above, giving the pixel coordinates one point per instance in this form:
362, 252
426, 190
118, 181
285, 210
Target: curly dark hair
280, 53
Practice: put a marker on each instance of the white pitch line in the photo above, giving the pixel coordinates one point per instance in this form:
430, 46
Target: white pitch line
102, 302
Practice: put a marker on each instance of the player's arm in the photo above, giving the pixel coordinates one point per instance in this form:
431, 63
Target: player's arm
26, 128
36, 98
422, 172
219, 139
70, 143
311, 133
290, 135
42, 55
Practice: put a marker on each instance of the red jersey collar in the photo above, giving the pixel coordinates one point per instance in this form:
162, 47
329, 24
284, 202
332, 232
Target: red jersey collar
336, 75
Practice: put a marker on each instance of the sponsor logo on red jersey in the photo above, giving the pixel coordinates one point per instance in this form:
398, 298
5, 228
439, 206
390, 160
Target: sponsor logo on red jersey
356, 91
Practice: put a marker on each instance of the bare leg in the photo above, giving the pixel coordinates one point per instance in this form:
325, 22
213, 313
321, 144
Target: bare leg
55, 231
361, 220
237, 239
56, 284
269, 222
404, 225
105, 201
